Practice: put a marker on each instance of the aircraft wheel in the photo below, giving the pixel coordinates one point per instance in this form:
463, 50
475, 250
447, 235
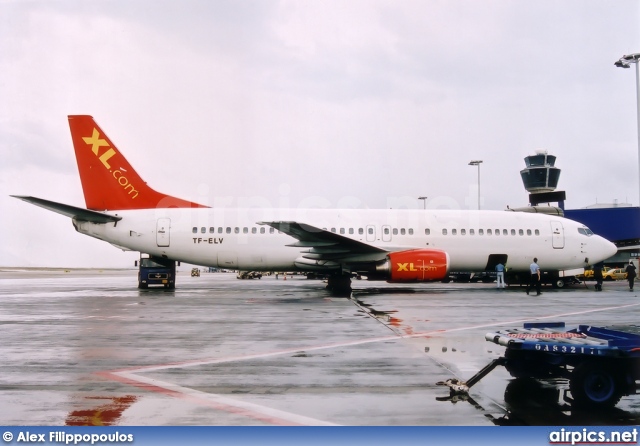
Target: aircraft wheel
593, 384
559, 283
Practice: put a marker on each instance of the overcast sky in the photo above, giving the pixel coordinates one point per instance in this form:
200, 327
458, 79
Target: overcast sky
312, 103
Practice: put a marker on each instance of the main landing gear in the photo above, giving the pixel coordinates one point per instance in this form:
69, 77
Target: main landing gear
340, 285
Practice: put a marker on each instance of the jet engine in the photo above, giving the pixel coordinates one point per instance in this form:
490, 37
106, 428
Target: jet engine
415, 265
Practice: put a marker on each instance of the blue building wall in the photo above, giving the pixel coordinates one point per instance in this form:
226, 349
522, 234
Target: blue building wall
614, 224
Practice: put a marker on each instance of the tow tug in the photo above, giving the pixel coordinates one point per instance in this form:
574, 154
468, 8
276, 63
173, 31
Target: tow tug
602, 365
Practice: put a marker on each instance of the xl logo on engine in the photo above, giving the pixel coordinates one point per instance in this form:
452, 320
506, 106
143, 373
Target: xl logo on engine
411, 267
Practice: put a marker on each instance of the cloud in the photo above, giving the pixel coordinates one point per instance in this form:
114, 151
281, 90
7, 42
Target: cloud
362, 102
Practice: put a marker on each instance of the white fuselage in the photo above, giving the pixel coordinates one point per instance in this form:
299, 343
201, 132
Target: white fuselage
234, 238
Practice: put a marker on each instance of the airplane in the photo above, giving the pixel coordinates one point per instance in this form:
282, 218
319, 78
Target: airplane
396, 245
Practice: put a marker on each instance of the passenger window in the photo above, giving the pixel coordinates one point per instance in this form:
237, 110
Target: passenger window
360, 231
444, 231
505, 232
351, 231
480, 231
203, 230
333, 230
236, 230
262, 231
497, 232
520, 232
395, 231
463, 232
537, 232
488, 231
402, 231
427, 231
228, 230
212, 230
513, 232
195, 230
454, 232
341, 230
410, 231
370, 231
271, 230
254, 230
386, 231
528, 231
472, 232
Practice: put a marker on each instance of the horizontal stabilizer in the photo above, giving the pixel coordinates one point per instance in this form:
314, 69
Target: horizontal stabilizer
79, 214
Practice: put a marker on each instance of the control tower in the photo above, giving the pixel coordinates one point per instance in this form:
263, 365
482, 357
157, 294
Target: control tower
540, 179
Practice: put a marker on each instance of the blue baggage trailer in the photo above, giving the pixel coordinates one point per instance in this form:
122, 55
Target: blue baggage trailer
602, 365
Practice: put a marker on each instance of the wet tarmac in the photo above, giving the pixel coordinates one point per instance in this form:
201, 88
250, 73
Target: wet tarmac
86, 347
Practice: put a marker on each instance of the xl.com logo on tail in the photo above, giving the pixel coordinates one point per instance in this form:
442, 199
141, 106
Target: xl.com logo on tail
96, 142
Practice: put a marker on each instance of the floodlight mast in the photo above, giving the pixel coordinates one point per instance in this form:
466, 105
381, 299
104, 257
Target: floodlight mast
477, 163
625, 62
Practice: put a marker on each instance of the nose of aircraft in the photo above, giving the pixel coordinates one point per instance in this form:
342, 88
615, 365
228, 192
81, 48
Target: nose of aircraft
603, 249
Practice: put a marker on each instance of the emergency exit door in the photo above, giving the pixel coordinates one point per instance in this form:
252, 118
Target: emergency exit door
163, 229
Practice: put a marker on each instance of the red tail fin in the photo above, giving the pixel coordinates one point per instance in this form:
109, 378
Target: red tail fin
108, 180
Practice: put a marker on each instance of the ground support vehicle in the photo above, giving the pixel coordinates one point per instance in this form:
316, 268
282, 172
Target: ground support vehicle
602, 365
557, 279
156, 271
249, 275
615, 274
465, 277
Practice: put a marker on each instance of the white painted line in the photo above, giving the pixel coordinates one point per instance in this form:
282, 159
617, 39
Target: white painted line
251, 410
363, 341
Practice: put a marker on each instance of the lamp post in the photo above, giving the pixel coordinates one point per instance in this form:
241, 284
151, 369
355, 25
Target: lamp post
424, 201
625, 62
477, 163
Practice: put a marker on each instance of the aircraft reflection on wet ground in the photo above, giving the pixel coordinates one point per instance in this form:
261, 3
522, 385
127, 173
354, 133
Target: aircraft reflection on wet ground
219, 351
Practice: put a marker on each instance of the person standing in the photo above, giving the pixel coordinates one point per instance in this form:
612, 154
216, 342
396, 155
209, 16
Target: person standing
597, 274
631, 274
500, 275
534, 280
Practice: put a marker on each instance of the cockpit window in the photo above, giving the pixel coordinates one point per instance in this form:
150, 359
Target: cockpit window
585, 231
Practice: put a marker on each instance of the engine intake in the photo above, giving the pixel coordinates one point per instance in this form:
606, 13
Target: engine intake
415, 265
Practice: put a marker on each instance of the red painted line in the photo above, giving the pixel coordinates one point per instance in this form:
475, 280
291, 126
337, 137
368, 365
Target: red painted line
200, 401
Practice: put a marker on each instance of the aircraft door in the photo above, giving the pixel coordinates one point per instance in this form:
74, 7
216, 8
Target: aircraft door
371, 233
163, 229
557, 235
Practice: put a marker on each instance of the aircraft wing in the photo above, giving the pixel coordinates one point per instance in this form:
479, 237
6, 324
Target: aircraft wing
325, 245
79, 214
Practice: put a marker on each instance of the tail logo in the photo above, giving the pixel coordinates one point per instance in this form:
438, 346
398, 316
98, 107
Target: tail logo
96, 142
